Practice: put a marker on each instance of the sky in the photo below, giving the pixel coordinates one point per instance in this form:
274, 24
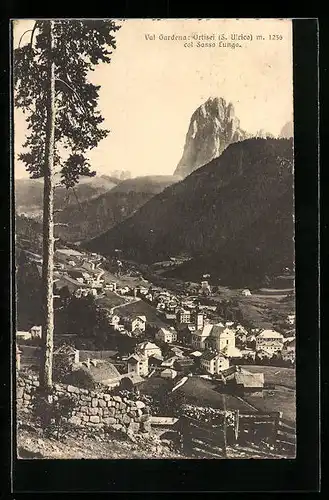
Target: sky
152, 87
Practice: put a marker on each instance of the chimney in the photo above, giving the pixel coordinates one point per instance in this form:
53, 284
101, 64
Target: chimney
88, 363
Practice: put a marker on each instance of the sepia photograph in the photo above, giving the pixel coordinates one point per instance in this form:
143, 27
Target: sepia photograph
153, 172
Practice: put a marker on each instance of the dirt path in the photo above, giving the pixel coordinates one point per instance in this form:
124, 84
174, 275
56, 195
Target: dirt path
126, 303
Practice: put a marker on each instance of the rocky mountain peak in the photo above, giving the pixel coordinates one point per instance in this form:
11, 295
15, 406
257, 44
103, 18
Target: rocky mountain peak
213, 127
287, 130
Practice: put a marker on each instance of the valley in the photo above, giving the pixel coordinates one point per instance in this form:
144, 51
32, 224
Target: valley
178, 289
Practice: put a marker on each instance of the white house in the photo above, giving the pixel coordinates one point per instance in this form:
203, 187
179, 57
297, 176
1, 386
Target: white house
221, 337
214, 362
114, 320
183, 315
205, 287
138, 322
148, 349
241, 329
112, 287
269, 341
169, 373
246, 292
291, 319
167, 335
139, 364
36, 332
196, 354
169, 362
23, 335
288, 351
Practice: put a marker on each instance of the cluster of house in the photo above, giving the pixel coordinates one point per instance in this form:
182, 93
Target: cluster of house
148, 360
214, 344
206, 346
75, 258
133, 326
80, 268
270, 342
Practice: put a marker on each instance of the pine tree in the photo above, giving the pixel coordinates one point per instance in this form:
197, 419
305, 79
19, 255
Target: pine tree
52, 88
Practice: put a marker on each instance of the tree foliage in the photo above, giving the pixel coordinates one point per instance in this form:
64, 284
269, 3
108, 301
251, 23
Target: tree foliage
78, 47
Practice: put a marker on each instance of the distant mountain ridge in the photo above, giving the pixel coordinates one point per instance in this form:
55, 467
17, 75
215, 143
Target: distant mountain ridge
29, 193
97, 215
287, 130
213, 127
147, 184
230, 203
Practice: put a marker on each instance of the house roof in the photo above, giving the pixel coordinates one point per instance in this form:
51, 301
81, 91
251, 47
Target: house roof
229, 372
196, 354
147, 345
142, 318
136, 358
288, 339
169, 371
165, 330
65, 349
102, 371
217, 330
210, 355
169, 361
184, 361
134, 377
250, 379
271, 334
158, 357
205, 331
177, 350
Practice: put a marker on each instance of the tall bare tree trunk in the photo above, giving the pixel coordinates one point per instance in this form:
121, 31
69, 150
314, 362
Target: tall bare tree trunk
48, 228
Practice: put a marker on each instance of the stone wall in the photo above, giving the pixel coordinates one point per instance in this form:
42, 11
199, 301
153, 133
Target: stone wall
92, 409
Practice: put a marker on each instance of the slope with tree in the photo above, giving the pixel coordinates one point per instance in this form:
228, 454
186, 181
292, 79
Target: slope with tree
52, 87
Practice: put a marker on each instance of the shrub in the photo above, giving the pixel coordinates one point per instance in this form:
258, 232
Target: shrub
52, 412
61, 368
80, 378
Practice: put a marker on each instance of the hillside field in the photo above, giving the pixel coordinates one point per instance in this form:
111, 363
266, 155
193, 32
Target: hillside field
285, 377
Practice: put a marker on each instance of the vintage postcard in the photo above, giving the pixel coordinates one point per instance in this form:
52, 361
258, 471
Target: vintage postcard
154, 238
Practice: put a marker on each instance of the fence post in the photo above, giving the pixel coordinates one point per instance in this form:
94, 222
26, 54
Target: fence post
276, 428
225, 435
236, 425
185, 435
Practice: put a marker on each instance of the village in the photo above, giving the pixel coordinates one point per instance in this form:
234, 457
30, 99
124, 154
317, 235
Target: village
167, 336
